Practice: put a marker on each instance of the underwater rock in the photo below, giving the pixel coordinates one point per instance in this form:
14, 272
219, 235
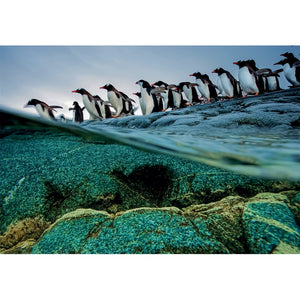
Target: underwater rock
143, 230
262, 224
270, 226
20, 237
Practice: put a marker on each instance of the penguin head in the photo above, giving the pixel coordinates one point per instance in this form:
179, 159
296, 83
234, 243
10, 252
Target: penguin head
143, 83
219, 71
138, 94
108, 87
75, 103
80, 91
33, 102
160, 83
196, 74
288, 55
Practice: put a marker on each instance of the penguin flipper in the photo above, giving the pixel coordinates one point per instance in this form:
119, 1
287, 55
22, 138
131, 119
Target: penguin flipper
277, 71
71, 108
56, 106
98, 109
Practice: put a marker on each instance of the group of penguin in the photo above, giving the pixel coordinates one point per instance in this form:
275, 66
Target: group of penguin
161, 96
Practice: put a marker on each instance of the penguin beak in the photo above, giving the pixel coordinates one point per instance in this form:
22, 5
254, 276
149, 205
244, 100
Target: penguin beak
134, 93
191, 75
214, 71
26, 105
75, 91
137, 82
152, 84
101, 87
235, 63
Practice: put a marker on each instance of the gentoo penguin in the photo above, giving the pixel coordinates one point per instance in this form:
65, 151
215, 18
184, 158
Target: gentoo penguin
271, 78
77, 112
228, 84
104, 107
148, 101
247, 78
43, 109
90, 103
206, 88
177, 95
168, 101
128, 107
118, 100
290, 56
261, 80
190, 91
291, 70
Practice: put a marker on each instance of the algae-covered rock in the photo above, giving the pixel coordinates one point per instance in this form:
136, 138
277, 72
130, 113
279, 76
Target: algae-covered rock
261, 224
21, 236
144, 230
223, 219
270, 226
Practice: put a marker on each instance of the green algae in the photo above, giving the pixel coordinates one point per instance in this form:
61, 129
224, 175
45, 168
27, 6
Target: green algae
267, 224
49, 173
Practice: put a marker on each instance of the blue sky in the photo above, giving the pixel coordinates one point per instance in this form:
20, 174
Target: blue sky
50, 73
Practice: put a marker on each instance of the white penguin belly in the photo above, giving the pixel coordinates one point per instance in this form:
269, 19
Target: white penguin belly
90, 107
116, 102
43, 113
146, 102
203, 89
188, 93
290, 74
177, 99
165, 100
272, 83
247, 81
226, 85
220, 87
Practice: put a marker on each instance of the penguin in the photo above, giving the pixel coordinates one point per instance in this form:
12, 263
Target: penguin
118, 100
291, 70
77, 112
290, 56
271, 78
90, 103
190, 92
168, 101
104, 108
247, 78
43, 109
261, 80
205, 86
228, 84
148, 101
128, 107
177, 96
